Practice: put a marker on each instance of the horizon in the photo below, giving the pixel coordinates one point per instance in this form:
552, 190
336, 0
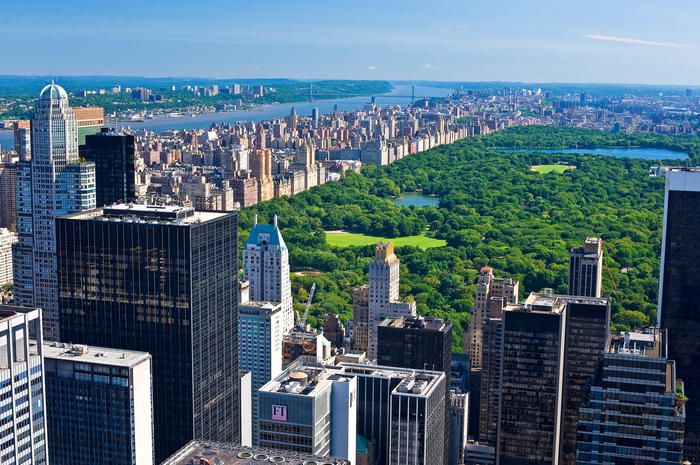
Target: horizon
504, 41
57, 77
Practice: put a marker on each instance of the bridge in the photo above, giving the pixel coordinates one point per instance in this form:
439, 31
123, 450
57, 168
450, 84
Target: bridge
325, 93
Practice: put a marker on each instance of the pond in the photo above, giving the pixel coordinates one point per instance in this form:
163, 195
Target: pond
417, 199
633, 152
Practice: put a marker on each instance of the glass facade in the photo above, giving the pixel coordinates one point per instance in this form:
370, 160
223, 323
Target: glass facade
680, 298
167, 287
115, 166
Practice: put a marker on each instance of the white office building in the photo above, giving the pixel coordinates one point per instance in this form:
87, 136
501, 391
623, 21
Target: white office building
53, 183
22, 405
7, 240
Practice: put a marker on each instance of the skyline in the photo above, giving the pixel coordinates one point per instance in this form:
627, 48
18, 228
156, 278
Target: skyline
533, 42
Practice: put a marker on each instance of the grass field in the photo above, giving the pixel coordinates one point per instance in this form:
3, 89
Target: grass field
343, 239
544, 169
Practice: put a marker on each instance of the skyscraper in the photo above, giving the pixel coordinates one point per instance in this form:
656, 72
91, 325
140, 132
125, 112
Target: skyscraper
23, 426
416, 342
262, 328
490, 372
402, 411
161, 280
587, 330
8, 187
532, 381
487, 287
115, 166
310, 408
634, 409
679, 293
383, 294
586, 268
99, 406
266, 268
52, 184
7, 240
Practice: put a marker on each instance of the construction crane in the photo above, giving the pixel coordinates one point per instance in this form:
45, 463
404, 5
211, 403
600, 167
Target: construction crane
301, 324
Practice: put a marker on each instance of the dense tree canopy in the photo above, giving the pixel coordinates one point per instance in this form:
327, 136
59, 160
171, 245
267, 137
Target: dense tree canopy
493, 210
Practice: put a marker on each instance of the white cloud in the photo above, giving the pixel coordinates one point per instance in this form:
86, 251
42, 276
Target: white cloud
629, 41
371, 67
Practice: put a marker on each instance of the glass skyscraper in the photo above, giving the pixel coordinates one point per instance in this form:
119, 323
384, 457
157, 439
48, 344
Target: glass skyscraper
161, 280
679, 293
52, 183
99, 405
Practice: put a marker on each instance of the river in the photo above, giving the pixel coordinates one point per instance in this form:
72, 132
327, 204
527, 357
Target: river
398, 96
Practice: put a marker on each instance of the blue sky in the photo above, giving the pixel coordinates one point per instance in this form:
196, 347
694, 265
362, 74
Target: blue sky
639, 41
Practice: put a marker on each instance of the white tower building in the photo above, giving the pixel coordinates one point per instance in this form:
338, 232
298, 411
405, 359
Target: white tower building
268, 313
53, 183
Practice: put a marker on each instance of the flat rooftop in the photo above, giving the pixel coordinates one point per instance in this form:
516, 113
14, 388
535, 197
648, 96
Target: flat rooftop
255, 307
418, 323
540, 302
96, 355
206, 453
304, 377
139, 213
647, 343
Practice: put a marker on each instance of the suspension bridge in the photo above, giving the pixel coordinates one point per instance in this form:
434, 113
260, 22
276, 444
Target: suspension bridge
317, 92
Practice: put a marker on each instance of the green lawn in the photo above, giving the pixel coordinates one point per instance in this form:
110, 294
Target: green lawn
341, 239
544, 169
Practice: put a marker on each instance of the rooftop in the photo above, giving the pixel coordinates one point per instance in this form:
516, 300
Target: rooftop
256, 307
206, 453
541, 302
266, 234
419, 322
139, 213
97, 355
304, 376
646, 343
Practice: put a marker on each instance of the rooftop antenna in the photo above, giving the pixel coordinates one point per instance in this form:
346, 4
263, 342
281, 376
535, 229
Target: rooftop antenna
274, 221
255, 219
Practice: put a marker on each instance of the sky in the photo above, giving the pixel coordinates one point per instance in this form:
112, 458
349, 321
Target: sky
611, 41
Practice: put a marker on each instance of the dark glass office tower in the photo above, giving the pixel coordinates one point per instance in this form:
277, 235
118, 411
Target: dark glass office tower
420, 343
115, 166
161, 280
588, 323
679, 293
532, 381
416, 342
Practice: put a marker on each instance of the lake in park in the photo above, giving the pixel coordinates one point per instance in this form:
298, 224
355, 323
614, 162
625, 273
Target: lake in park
634, 152
417, 199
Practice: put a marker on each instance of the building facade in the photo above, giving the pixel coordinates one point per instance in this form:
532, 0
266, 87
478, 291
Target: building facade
487, 287
360, 318
114, 157
634, 409
586, 268
532, 382
262, 328
383, 294
161, 280
8, 183
7, 241
312, 409
266, 268
23, 430
53, 183
679, 293
587, 330
402, 412
99, 405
